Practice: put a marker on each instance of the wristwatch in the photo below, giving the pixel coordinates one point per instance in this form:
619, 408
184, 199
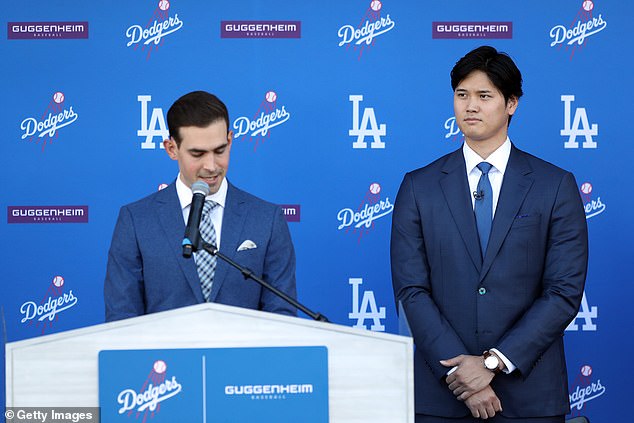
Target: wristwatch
491, 362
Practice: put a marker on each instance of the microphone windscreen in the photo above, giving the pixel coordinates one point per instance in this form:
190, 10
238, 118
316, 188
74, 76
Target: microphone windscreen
200, 187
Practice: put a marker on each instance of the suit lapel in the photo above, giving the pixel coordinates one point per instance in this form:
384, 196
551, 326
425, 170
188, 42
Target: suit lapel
515, 186
455, 187
170, 216
232, 225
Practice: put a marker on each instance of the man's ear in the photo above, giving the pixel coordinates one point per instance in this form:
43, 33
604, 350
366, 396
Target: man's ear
171, 148
511, 105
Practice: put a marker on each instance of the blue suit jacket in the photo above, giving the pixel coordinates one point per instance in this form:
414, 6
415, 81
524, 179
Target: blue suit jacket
147, 272
518, 299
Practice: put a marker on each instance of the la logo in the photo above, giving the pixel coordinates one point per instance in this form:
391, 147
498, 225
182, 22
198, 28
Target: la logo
368, 308
580, 125
155, 128
586, 313
368, 127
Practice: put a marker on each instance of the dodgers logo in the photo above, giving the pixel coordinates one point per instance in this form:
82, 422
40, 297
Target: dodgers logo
586, 389
160, 25
155, 127
453, 131
372, 25
368, 127
45, 312
55, 117
587, 315
371, 208
367, 309
580, 125
156, 389
585, 25
592, 206
258, 128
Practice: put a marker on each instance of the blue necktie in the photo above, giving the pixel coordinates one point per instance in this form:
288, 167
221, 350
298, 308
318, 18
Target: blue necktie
484, 206
205, 262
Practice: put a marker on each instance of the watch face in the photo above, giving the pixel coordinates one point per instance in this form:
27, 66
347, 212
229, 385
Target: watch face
491, 362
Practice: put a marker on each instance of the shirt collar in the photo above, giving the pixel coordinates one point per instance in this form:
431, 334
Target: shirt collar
499, 158
185, 194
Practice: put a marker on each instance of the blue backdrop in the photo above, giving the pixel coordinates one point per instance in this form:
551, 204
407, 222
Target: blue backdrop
332, 102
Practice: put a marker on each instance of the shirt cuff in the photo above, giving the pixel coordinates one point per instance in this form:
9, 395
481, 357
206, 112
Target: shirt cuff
509, 366
453, 369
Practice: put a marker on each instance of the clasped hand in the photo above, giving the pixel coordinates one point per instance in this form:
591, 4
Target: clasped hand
470, 383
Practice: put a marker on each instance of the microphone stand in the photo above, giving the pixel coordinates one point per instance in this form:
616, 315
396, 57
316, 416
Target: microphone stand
248, 274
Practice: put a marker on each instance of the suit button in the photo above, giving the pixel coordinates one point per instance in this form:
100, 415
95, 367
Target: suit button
482, 291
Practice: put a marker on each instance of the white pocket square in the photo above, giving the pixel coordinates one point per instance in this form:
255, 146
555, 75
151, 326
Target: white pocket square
247, 245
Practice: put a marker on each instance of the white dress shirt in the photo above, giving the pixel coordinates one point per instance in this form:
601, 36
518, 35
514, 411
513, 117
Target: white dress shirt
185, 196
498, 159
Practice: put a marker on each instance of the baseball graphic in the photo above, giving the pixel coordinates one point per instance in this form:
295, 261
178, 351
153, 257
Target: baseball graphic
376, 5
588, 5
160, 367
586, 188
270, 96
375, 188
58, 281
586, 370
164, 4
58, 97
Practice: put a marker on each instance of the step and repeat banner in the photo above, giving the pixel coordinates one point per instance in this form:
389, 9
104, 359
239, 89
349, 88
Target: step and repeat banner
331, 103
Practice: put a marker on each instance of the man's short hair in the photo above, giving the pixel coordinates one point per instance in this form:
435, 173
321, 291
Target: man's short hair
199, 109
499, 67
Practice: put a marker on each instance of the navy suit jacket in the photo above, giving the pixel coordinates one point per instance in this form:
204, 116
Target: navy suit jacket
147, 272
519, 298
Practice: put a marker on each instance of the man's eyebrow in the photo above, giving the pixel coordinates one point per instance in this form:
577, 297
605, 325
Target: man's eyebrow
482, 91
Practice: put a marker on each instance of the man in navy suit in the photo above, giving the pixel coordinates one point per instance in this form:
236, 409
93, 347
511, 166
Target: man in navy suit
146, 270
489, 257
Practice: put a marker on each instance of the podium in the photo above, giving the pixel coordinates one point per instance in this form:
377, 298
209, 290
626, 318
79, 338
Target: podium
370, 375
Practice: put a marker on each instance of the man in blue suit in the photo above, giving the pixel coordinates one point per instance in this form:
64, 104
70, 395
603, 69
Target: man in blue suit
146, 270
489, 256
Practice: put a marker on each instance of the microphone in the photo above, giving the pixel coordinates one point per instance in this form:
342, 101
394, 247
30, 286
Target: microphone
478, 195
192, 235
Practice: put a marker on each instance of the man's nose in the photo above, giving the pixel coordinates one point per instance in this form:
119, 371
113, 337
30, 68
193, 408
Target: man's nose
472, 104
210, 163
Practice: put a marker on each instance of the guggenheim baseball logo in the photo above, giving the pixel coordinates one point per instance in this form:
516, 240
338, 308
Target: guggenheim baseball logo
373, 24
55, 301
269, 392
55, 117
586, 24
47, 214
160, 25
47, 30
156, 389
260, 29
471, 30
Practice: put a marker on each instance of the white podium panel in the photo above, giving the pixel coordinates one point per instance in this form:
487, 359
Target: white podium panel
370, 374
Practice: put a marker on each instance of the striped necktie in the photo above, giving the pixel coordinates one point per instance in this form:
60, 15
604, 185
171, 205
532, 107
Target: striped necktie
205, 262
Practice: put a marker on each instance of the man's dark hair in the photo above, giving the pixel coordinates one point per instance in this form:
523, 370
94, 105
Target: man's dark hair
199, 109
499, 67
